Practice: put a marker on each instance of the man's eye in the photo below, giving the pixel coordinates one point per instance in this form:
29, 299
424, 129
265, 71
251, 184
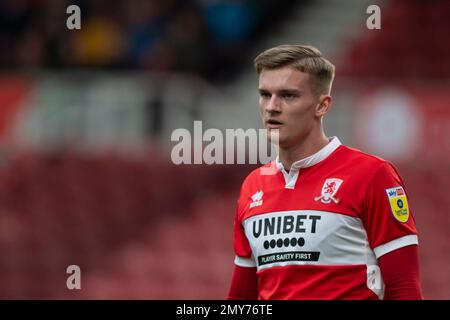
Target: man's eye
264, 95
288, 96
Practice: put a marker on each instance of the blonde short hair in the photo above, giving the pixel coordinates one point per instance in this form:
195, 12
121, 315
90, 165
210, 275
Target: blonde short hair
304, 58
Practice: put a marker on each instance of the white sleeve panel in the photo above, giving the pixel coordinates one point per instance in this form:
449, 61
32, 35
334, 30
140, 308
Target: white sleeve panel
244, 262
396, 244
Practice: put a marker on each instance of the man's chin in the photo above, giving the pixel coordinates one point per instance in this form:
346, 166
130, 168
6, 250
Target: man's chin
276, 137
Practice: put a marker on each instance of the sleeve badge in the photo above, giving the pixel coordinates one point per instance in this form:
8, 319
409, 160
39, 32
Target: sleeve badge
399, 203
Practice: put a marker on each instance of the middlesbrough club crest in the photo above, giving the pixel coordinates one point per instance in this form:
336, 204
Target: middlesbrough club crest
329, 189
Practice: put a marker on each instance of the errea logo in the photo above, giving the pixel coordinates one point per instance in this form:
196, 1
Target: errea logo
257, 199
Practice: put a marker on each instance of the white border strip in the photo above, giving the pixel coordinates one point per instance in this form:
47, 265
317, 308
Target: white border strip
244, 262
396, 244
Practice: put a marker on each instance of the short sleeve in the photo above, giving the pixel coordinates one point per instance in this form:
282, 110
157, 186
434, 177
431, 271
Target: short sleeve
242, 249
387, 216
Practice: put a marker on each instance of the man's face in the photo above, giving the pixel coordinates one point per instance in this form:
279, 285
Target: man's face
287, 103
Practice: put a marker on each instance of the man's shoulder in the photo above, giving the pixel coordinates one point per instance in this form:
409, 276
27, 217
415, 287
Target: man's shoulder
262, 172
358, 158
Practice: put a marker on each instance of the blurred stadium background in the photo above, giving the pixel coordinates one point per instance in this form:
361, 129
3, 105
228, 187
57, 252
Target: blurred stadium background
86, 117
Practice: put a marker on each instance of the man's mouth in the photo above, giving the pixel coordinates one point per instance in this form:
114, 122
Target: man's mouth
273, 124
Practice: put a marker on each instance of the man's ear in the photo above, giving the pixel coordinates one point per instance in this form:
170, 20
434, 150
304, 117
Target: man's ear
324, 105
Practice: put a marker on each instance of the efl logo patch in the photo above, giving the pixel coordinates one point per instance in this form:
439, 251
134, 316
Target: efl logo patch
398, 203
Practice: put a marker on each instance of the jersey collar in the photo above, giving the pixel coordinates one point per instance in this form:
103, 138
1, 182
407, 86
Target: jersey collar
314, 159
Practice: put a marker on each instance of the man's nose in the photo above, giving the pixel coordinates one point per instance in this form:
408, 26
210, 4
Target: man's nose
273, 105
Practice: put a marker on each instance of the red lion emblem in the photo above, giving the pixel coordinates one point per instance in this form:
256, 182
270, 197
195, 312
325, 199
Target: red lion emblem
329, 188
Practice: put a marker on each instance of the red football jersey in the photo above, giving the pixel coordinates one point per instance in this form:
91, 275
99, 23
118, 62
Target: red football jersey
317, 231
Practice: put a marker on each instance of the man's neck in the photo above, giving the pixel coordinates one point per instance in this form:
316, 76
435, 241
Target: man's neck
302, 150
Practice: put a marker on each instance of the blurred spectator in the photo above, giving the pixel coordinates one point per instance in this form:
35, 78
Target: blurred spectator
144, 21
187, 38
230, 22
98, 44
199, 37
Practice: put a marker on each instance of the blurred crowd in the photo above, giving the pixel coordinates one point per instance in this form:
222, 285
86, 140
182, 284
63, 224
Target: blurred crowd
206, 37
